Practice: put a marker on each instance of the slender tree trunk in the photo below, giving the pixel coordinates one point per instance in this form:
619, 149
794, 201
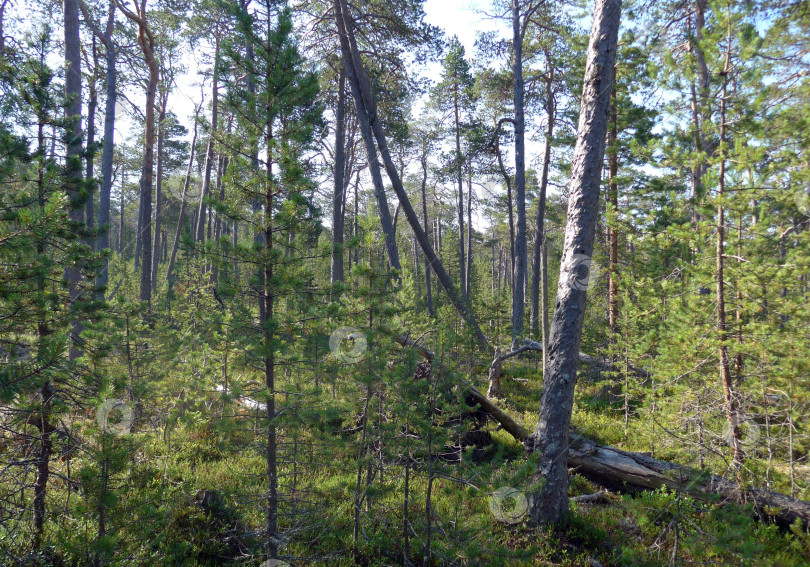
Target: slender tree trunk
92, 104
147, 43
428, 289
539, 242
519, 279
364, 118
469, 235
43, 458
613, 231
269, 361
121, 215
107, 150
509, 200
729, 394
181, 221
73, 162
159, 188
339, 195
148, 166
199, 233
460, 198
550, 437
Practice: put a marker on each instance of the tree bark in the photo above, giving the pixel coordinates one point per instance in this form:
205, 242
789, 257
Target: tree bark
73, 162
519, 261
613, 231
107, 150
428, 289
539, 298
729, 394
92, 104
460, 196
468, 266
147, 43
550, 437
199, 232
338, 197
159, 188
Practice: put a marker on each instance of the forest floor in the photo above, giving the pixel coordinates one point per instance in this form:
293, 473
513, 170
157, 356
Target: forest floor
325, 523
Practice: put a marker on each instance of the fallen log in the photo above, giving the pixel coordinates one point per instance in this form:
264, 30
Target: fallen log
475, 396
633, 472
636, 471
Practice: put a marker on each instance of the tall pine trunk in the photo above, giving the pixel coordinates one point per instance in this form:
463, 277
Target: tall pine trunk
107, 150
73, 161
159, 189
550, 437
519, 260
199, 231
539, 288
339, 194
729, 394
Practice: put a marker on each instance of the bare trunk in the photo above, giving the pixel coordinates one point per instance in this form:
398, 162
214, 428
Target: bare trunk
339, 195
428, 289
199, 232
469, 235
538, 257
550, 437
519, 278
107, 151
73, 161
613, 232
729, 395
269, 363
92, 104
148, 166
159, 190
460, 199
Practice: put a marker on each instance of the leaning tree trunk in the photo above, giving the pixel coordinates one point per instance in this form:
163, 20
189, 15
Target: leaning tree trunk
366, 109
550, 438
364, 117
